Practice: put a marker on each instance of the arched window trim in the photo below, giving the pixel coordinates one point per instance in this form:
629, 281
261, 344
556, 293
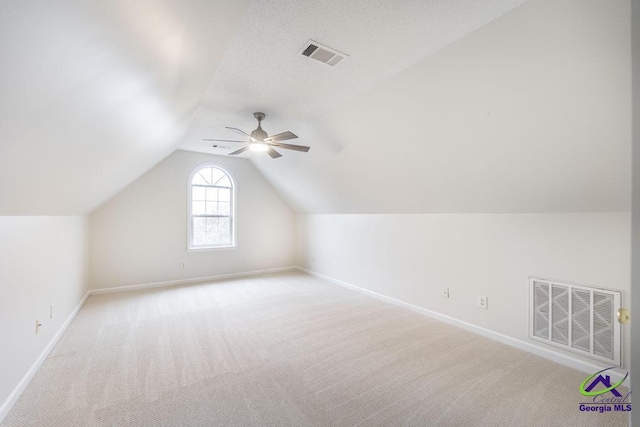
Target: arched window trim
233, 216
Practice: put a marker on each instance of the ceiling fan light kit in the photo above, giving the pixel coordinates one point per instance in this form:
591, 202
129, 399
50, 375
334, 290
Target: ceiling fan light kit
259, 147
260, 141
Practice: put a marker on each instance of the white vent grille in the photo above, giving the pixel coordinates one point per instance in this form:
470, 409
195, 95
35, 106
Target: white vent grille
560, 314
577, 318
322, 53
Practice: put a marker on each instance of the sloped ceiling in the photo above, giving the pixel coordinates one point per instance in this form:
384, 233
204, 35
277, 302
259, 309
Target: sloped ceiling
529, 113
94, 93
264, 69
443, 106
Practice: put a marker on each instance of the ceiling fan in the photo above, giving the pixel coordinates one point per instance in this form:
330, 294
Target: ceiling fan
258, 140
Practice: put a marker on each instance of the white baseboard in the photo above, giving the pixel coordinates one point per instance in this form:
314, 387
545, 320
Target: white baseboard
15, 394
567, 360
548, 353
189, 281
24, 382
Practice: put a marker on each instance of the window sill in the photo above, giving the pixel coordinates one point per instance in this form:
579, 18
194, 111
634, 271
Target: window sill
212, 248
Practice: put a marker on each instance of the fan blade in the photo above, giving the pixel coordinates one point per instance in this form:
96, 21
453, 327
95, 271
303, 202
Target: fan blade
242, 150
223, 140
241, 131
281, 137
273, 153
292, 147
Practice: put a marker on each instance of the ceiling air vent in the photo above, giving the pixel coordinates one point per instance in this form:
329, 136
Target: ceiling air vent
322, 53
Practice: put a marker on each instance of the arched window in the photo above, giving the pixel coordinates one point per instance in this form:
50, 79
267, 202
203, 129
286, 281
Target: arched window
211, 208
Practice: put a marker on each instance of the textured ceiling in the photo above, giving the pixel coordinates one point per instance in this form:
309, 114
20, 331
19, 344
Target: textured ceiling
264, 70
443, 106
530, 113
94, 93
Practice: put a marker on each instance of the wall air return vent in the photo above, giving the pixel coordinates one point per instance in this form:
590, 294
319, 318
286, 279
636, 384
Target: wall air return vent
324, 54
579, 319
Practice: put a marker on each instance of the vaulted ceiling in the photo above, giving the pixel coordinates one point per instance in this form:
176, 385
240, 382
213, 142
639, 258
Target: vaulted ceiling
457, 106
530, 113
94, 93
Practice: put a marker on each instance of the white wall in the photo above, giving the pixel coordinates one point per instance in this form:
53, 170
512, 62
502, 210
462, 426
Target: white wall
140, 236
528, 114
101, 90
42, 261
412, 257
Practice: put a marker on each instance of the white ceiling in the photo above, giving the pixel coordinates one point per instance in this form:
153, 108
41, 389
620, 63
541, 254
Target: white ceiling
94, 93
265, 71
530, 113
443, 106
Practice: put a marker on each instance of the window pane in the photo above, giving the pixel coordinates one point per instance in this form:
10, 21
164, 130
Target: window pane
206, 175
212, 194
212, 225
216, 175
224, 194
212, 231
224, 182
198, 208
199, 239
199, 225
224, 231
199, 179
224, 208
198, 193
212, 208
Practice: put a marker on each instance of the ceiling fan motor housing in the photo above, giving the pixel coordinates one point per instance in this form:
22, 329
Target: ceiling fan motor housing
259, 134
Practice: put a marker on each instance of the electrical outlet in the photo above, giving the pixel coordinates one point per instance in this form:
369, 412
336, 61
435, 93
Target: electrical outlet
52, 311
483, 302
445, 292
182, 264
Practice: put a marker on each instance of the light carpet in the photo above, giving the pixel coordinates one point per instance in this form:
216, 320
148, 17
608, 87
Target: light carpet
287, 350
